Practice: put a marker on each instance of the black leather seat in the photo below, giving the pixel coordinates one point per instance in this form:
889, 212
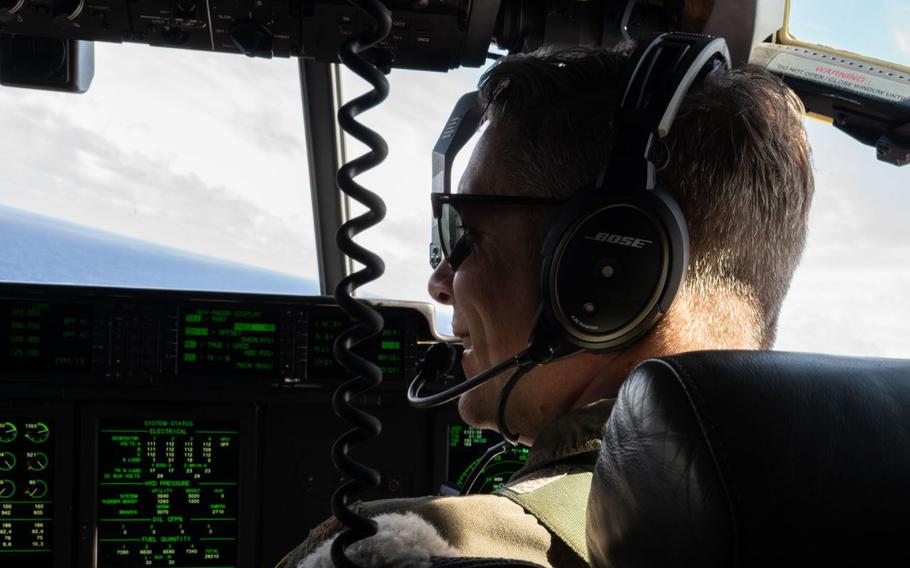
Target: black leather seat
755, 459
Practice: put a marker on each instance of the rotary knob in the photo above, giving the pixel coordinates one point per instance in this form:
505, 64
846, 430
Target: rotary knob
252, 39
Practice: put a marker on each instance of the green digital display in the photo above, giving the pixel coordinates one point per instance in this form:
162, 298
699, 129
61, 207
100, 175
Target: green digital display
26, 492
386, 350
227, 341
466, 447
46, 336
168, 493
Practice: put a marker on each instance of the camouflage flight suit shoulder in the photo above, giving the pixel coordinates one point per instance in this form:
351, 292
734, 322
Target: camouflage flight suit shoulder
506, 525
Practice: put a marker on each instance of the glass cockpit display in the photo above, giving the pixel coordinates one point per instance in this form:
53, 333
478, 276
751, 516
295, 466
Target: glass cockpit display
389, 349
466, 448
228, 340
46, 336
26, 492
168, 493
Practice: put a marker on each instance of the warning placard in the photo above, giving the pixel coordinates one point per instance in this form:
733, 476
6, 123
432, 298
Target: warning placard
844, 77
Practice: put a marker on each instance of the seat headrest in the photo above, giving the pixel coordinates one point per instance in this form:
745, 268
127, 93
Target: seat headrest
750, 458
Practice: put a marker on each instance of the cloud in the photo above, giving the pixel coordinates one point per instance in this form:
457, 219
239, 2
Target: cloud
69, 171
902, 39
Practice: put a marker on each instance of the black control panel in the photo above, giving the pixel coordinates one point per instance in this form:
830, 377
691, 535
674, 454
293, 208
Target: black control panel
185, 429
26, 491
91, 335
171, 488
427, 34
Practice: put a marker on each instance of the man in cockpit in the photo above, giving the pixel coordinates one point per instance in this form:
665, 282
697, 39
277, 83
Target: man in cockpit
739, 167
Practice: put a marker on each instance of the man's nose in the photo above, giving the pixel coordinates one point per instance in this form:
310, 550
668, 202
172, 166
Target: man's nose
440, 284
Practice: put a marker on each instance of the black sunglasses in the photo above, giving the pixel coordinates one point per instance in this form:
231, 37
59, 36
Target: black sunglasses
448, 239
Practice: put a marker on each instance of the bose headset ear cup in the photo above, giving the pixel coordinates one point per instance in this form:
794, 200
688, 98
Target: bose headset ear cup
612, 263
616, 256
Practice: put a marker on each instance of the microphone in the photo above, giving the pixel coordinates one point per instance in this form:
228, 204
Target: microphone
439, 359
543, 347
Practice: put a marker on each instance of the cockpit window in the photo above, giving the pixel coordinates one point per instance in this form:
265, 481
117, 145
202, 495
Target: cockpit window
844, 298
177, 169
847, 295
410, 120
879, 29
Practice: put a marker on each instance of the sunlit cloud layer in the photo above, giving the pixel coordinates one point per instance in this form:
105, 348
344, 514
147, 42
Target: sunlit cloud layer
902, 39
203, 152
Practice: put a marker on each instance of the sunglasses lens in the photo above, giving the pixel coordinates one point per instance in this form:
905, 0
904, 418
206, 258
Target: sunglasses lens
451, 230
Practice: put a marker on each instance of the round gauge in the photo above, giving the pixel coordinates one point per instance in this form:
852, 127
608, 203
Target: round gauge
8, 432
7, 488
35, 461
36, 488
37, 432
7, 461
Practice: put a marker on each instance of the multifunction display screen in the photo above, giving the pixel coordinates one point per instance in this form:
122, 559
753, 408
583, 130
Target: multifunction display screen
26, 492
168, 493
45, 336
467, 446
388, 349
228, 341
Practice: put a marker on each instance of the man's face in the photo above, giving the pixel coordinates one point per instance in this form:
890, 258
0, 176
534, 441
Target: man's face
495, 291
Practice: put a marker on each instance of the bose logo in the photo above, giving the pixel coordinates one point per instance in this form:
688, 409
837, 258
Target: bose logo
619, 240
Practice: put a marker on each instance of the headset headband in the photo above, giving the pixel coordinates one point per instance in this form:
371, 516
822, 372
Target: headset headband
663, 74
462, 124
646, 114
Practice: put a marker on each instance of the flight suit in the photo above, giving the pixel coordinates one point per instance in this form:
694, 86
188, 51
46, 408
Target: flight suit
539, 516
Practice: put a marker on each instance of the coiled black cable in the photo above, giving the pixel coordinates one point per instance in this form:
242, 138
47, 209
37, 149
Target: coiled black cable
501, 422
369, 320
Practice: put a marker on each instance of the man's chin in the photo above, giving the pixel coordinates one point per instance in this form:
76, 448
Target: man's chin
476, 409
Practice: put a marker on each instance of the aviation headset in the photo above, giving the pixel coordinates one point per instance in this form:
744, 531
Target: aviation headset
617, 253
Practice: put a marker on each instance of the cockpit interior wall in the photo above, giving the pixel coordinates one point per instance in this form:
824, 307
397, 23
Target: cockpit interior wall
192, 429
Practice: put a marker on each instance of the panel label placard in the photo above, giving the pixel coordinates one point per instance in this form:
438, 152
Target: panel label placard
168, 493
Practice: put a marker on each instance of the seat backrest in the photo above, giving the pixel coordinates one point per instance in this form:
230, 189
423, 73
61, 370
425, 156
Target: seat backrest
747, 458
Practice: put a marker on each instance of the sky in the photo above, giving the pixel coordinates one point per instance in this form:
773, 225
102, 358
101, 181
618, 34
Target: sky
205, 153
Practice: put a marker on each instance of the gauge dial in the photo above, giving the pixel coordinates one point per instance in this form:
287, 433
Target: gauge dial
37, 432
7, 461
36, 488
35, 461
7, 488
8, 432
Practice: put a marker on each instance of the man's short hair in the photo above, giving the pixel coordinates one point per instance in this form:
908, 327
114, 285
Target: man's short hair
739, 167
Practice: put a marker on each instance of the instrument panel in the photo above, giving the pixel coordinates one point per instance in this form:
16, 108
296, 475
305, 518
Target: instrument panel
194, 429
97, 335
